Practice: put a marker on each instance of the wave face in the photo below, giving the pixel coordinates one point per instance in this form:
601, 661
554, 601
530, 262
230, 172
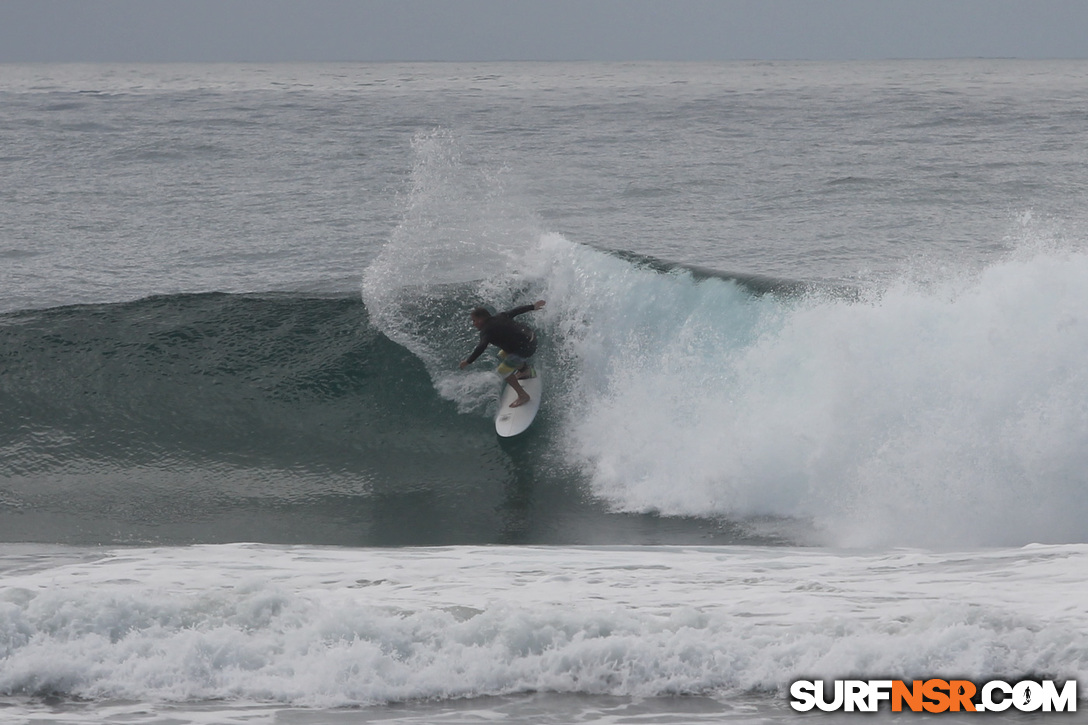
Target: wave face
951, 413
279, 418
203, 417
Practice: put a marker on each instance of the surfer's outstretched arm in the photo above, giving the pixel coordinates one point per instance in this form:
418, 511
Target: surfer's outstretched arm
524, 308
484, 342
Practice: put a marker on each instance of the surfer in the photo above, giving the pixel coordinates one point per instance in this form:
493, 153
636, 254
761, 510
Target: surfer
515, 341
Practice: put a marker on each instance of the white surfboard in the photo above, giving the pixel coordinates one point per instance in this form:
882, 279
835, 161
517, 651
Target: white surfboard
511, 421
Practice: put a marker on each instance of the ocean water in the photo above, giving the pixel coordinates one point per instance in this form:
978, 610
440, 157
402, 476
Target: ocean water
816, 403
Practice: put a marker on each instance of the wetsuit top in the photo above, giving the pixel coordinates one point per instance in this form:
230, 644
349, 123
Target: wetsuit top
513, 337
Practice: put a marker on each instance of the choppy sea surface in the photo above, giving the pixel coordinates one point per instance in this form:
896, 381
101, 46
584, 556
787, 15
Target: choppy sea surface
816, 403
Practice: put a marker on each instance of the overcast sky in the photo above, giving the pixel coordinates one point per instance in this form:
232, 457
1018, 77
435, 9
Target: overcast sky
376, 30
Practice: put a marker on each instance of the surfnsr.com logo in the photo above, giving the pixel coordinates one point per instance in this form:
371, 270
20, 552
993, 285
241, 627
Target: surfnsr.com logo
934, 696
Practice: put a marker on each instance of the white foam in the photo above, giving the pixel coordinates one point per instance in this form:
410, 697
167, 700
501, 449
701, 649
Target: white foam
940, 415
335, 627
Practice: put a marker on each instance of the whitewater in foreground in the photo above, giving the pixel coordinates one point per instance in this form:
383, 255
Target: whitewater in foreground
295, 628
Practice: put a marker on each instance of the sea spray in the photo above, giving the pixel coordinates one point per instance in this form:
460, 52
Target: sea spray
951, 413
459, 228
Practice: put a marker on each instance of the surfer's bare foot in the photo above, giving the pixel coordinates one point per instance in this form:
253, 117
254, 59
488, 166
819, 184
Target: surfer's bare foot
522, 400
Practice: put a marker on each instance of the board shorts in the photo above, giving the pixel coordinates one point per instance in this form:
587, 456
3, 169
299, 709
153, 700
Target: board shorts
510, 363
